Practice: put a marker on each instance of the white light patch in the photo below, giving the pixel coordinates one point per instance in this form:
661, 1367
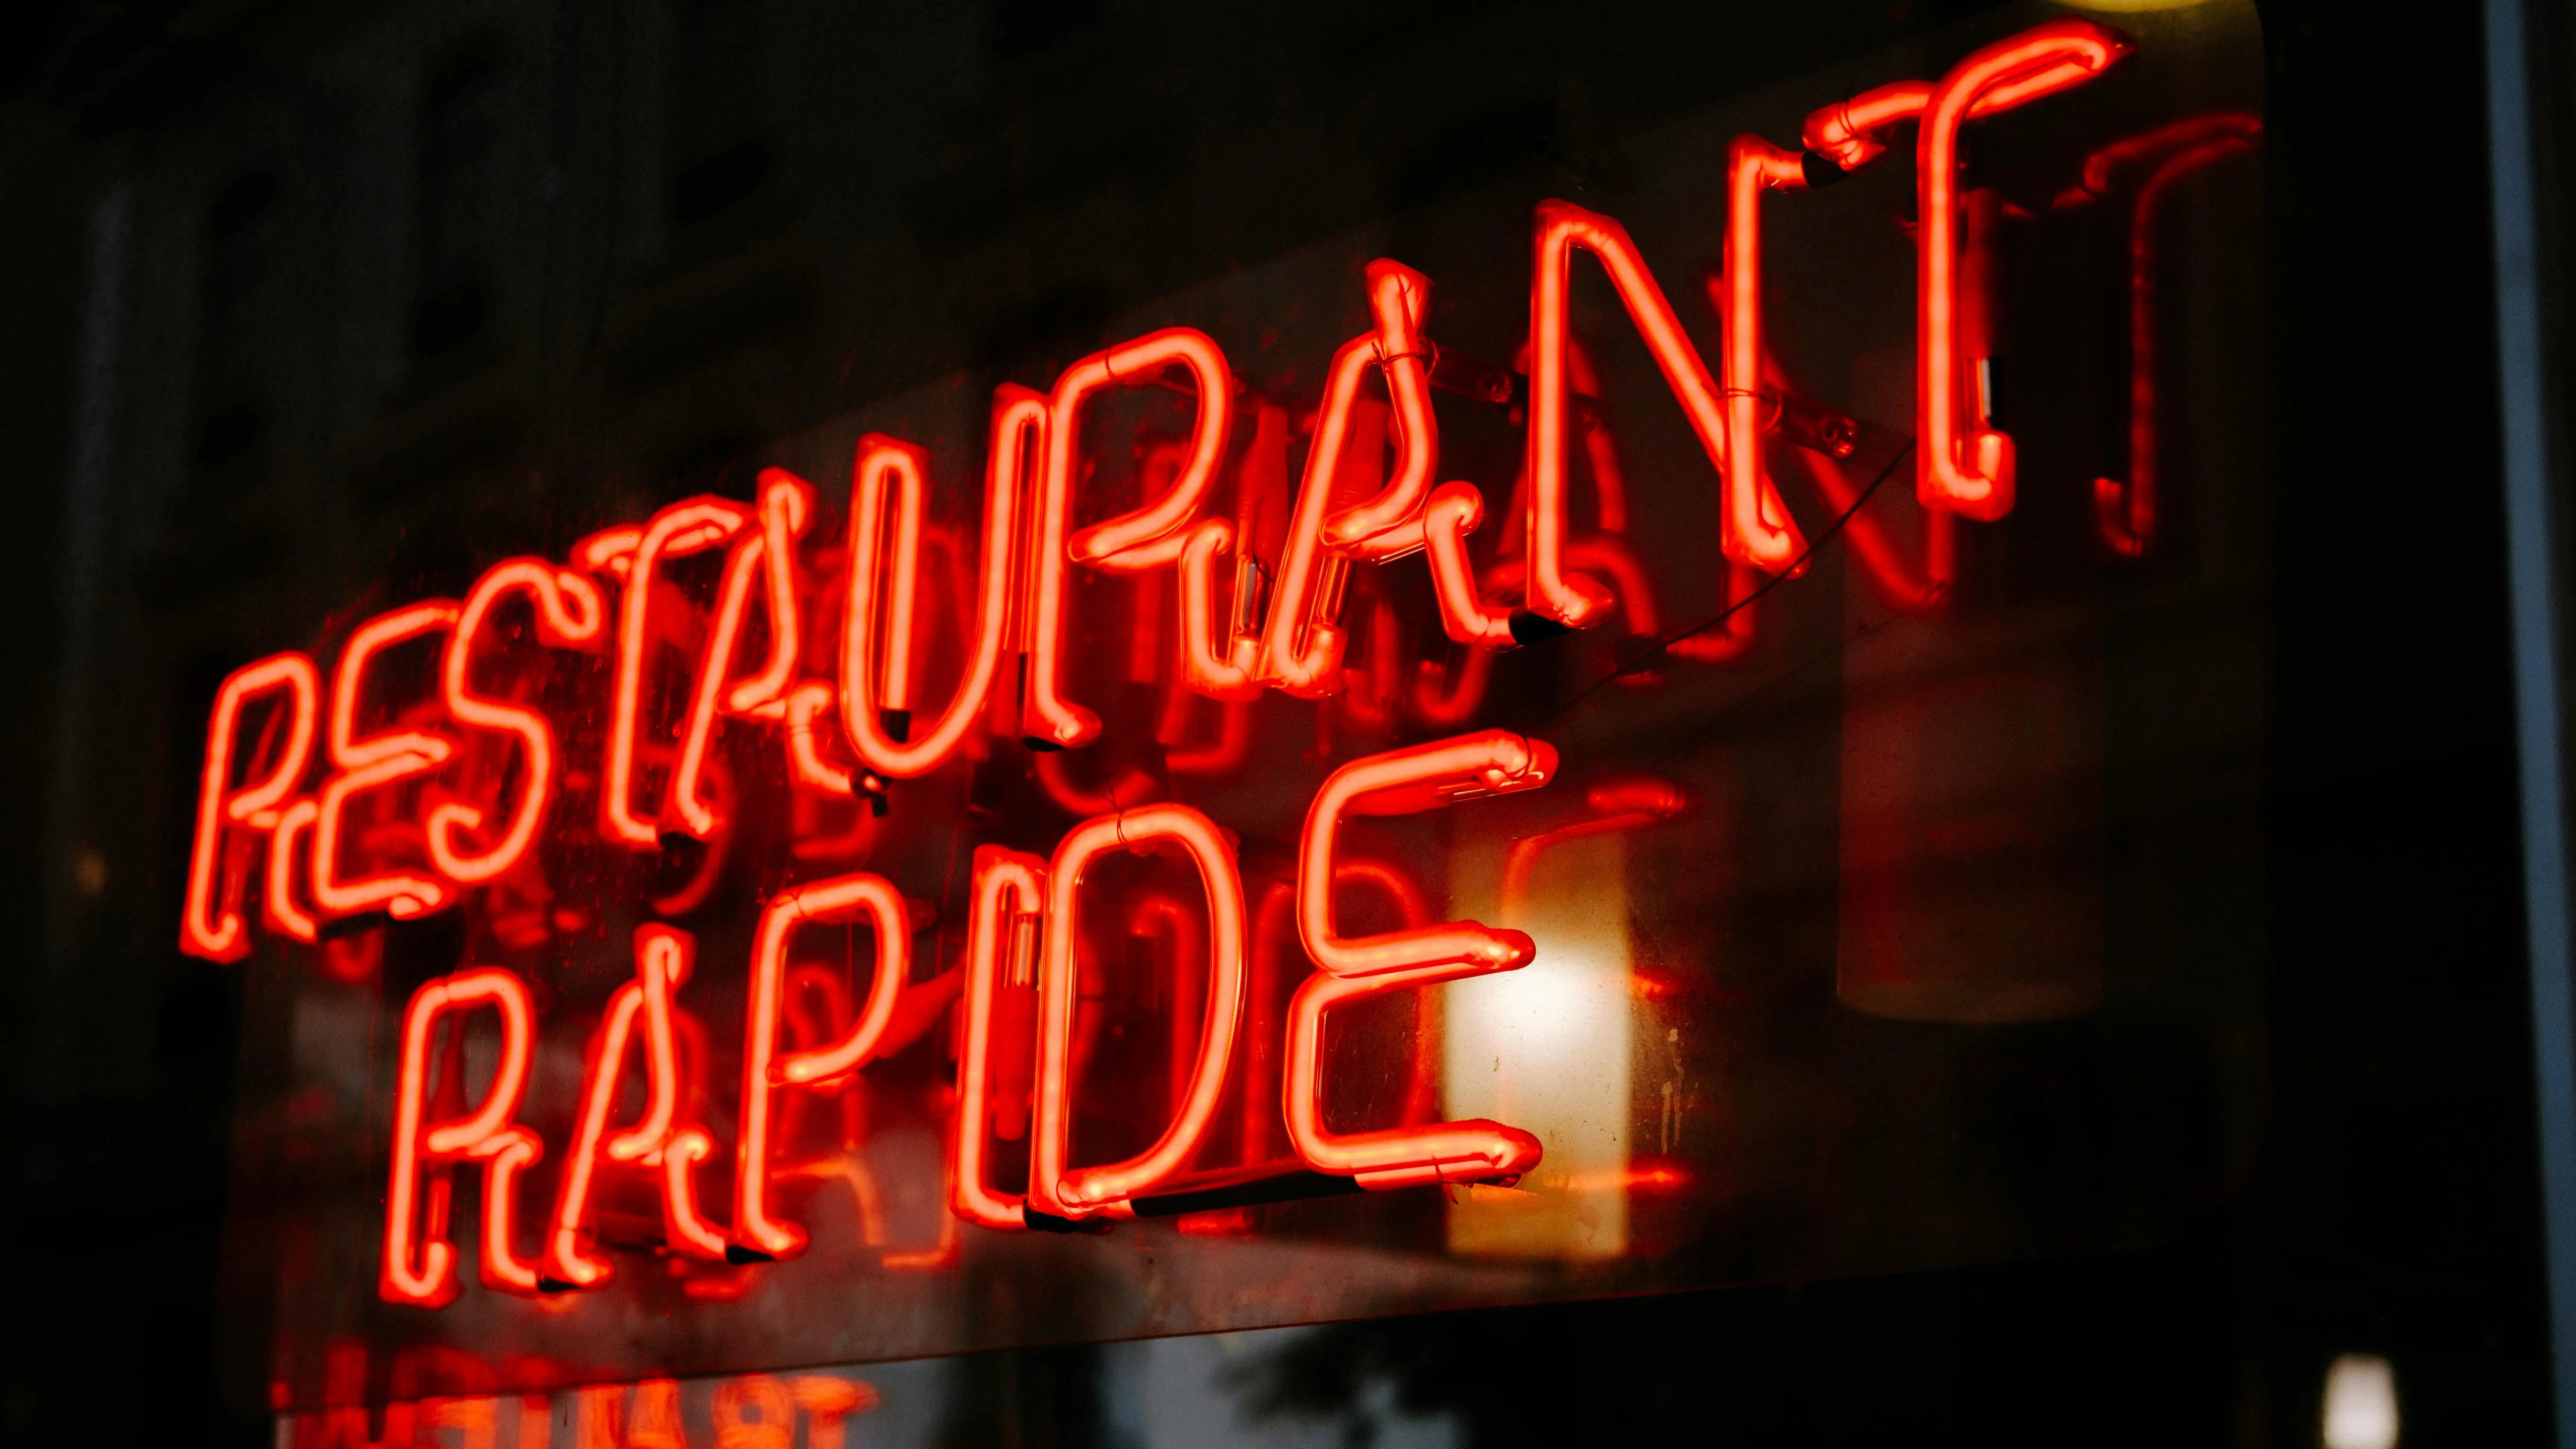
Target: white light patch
1546, 1049
2361, 1403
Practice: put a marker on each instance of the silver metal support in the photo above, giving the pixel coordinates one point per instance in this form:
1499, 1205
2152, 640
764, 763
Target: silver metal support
2531, 571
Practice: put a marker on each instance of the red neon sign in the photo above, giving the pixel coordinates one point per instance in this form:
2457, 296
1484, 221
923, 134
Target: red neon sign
1055, 1186
1964, 464
373, 763
211, 924
419, 1265
568, 613
402, 824
765, 1071
1493, 762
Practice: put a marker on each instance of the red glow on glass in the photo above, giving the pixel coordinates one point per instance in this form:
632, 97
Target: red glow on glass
211, 924
1423, 777
419, 1264
765, 1071
373, 763
1621, 803
1964, 464
2124, 513
1072, 1192
827, 1402
568, 613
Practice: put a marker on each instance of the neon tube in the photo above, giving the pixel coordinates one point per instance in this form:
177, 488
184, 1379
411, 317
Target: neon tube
1071, 1192
765, 558
1965, 465
568, 613
1447, 698
1384, 527
1227, 670
1753, 166
786, 506
1601, 555
1903, 585
1019, 422
1454, 511
683, 528
2125, 513
610, 551
503, 1156
1301, 648
687, 1231
1757, 530
1221, 757
420, 1266
209, 925
765, 1072
278, 906
1301, 645
1132, 542
374, 763
805, 761
1849, 133
662, 961
1001, 935
1490, 762
1272, 919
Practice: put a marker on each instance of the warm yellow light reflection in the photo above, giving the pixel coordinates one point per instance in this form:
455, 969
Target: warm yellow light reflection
2361, 1403
1546, 1049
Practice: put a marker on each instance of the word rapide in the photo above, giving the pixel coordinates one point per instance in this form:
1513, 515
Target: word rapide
1270, 622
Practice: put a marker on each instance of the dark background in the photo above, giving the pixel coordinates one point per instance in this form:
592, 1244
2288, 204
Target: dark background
2394, 1208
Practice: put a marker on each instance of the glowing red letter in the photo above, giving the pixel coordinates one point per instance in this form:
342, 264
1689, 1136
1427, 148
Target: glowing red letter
877, 638
212, 925
662, 961
372, 764
568, 612
767, 557
764, 1072
1001, 937
1134, 542
1757, 528
1071, 1192
683, 528
419, 1265
1965, 465
1491, 762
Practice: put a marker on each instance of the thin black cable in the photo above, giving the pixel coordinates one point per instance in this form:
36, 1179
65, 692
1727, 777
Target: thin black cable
1638, 665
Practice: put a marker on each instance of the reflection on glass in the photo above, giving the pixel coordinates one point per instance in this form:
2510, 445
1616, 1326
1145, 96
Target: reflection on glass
1546, 1048
2361, 1403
